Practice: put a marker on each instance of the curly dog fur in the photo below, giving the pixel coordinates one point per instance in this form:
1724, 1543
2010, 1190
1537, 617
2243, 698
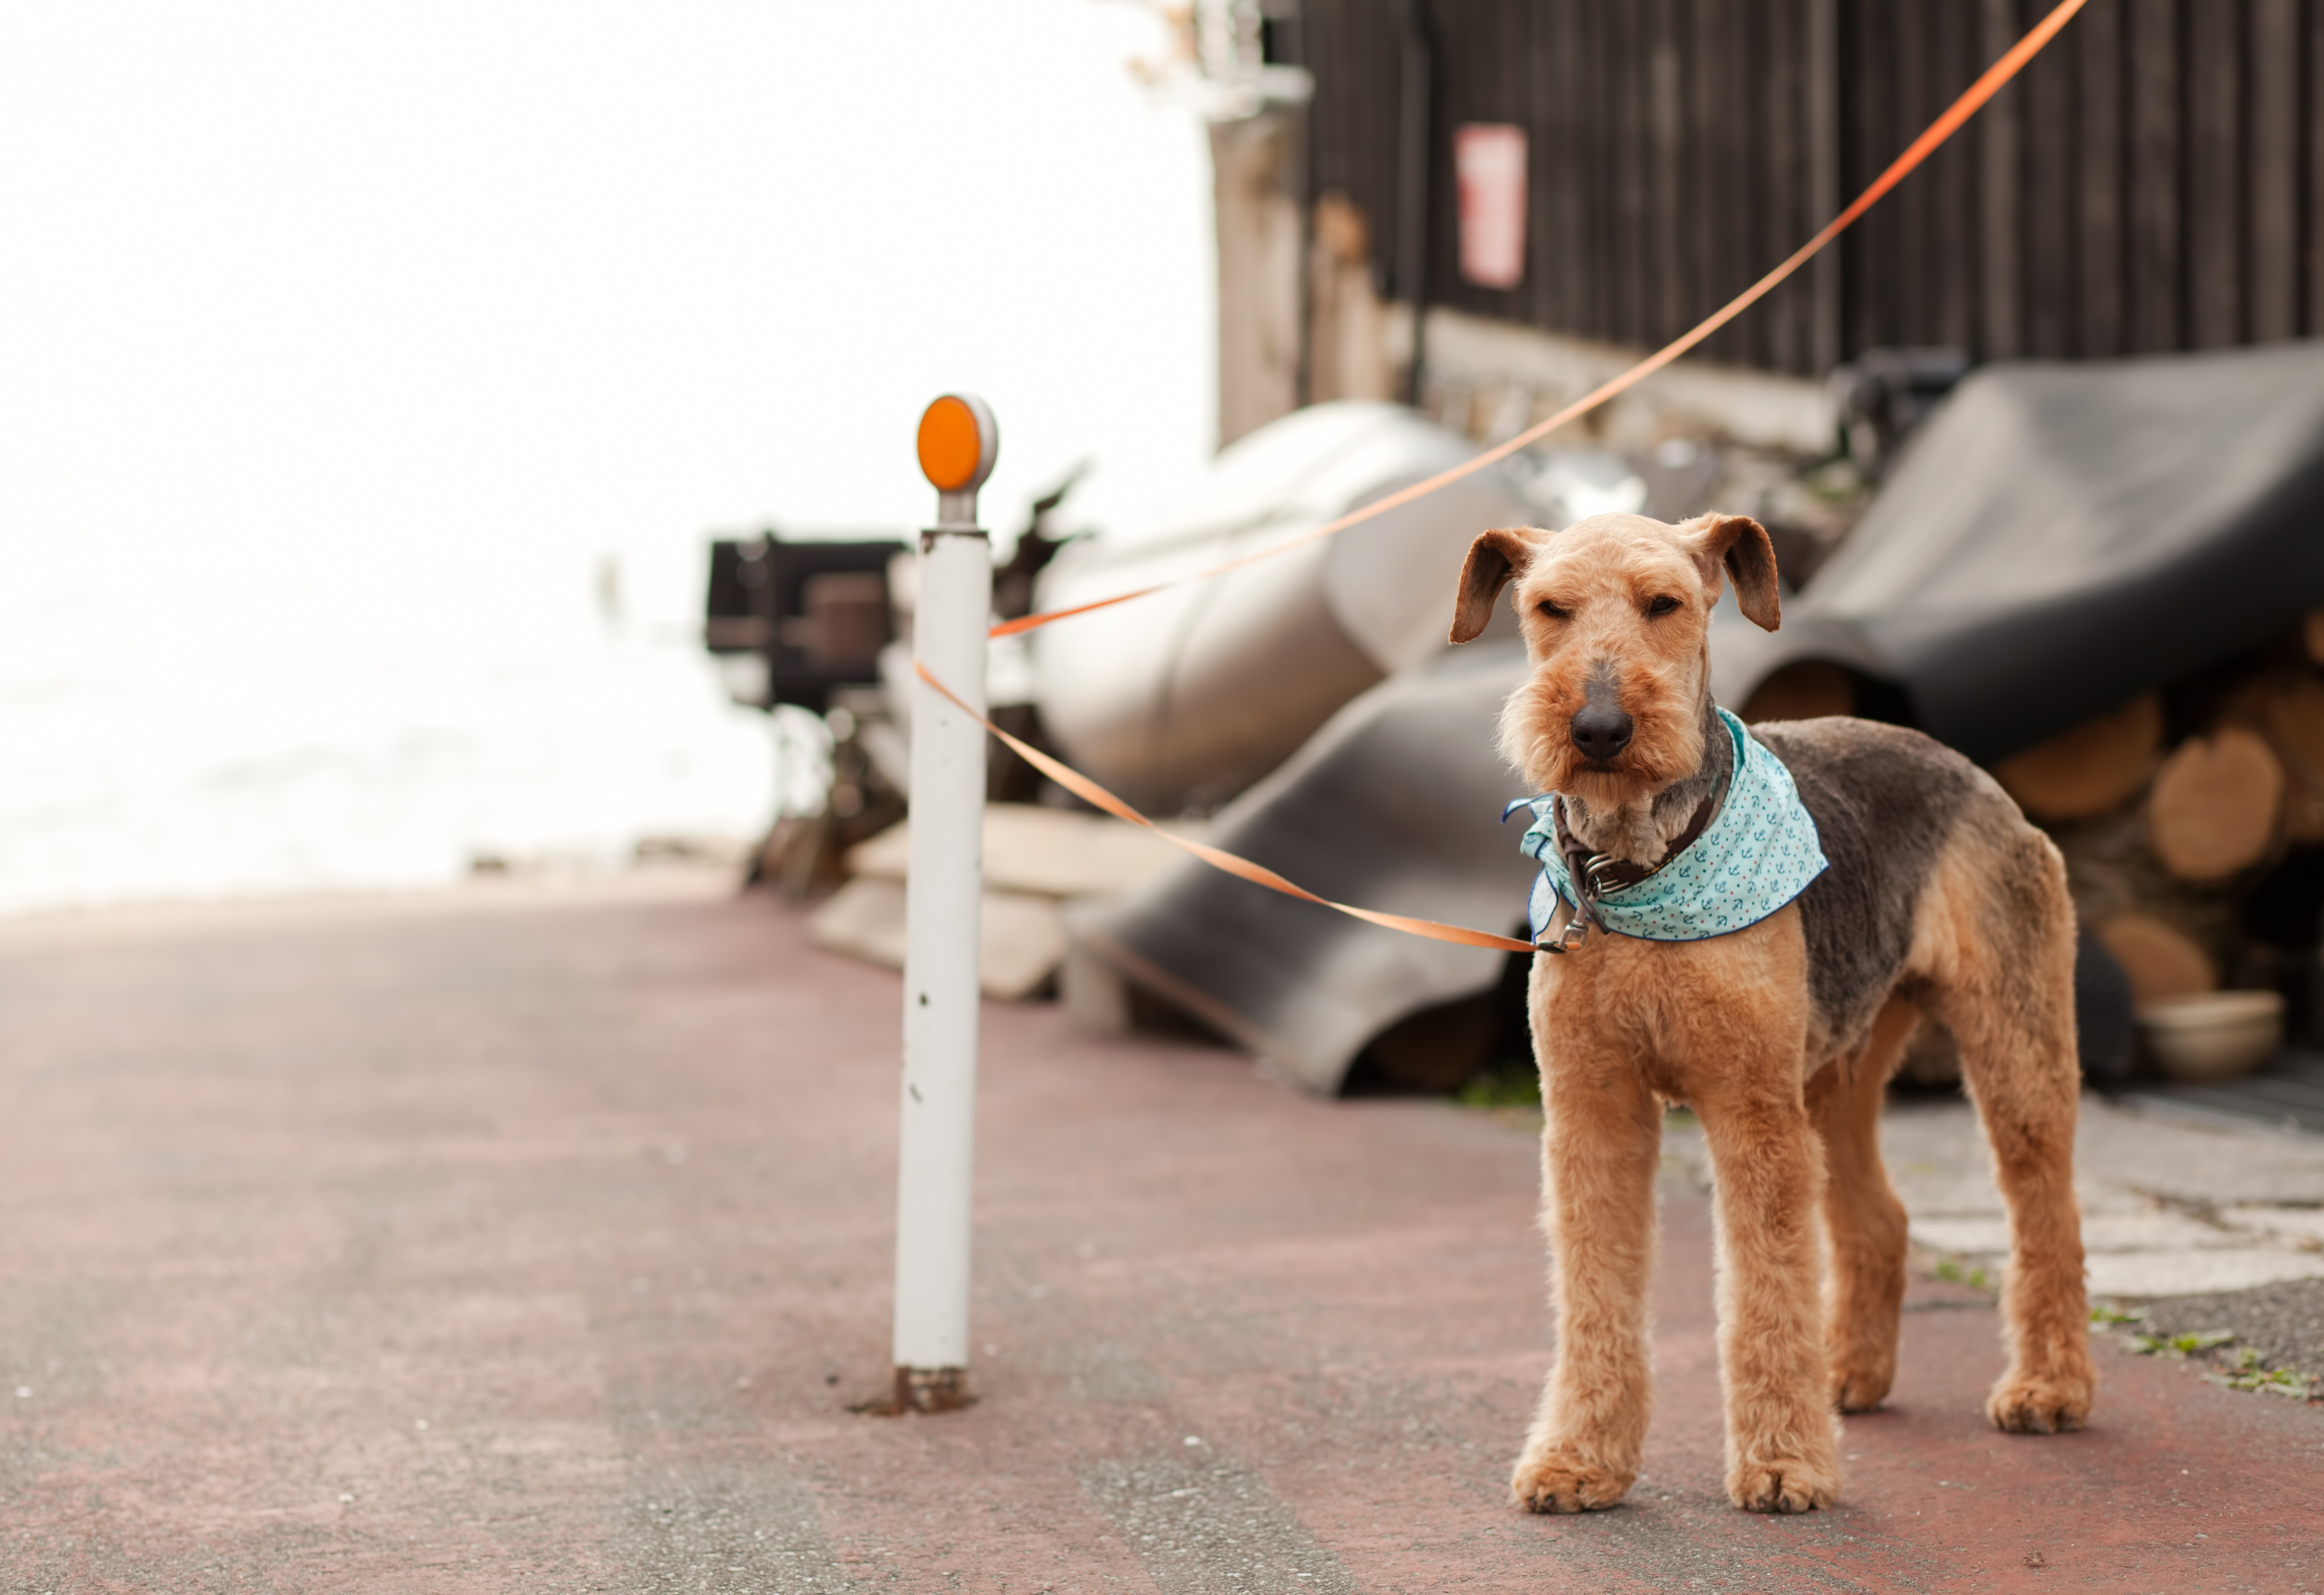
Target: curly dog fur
1941, 899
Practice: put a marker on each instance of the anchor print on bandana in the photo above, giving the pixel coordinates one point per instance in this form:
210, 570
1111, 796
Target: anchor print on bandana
1759, 853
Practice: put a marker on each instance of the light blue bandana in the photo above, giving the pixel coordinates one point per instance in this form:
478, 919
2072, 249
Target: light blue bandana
1758, 852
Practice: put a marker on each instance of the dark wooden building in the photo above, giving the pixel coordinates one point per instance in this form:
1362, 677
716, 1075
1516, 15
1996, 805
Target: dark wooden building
2154, 181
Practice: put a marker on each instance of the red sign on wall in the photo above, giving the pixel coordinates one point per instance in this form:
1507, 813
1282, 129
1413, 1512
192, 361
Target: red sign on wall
1488, 161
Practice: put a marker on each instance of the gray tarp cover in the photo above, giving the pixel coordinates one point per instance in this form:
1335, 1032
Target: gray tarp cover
1395, 805
2059, 539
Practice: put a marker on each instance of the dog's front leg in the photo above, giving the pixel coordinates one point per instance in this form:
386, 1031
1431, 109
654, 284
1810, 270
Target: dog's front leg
1601, 1141
1768, 1174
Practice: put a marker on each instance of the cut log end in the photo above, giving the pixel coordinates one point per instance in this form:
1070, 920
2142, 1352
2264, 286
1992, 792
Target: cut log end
2160, 962
2097, 766
2289, 713
2214, 807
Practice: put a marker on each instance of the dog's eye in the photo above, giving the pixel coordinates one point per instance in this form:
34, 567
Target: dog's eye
1552, 610
1662, 605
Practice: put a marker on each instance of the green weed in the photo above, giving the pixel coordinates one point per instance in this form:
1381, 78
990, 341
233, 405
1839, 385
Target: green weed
1952, 1273
2180, 1345
2248, 1375
1512, 1086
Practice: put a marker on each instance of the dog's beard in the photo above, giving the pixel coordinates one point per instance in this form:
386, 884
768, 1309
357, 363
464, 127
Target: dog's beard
1613, 806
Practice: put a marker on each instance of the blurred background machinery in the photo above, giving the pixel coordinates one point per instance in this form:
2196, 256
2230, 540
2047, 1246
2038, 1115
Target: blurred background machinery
804, 622
791, 619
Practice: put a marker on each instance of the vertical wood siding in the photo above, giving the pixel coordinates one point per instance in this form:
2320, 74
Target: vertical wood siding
2153, 181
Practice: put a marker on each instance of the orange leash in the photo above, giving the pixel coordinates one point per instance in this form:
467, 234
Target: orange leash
1921, 148
1089, 791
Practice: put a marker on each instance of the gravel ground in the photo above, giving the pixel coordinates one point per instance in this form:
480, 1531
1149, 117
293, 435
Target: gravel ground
2282, 1324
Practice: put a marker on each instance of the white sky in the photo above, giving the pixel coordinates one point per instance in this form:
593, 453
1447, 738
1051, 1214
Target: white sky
579, 274
339, 344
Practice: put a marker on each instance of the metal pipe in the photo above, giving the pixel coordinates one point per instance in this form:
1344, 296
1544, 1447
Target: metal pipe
942, 893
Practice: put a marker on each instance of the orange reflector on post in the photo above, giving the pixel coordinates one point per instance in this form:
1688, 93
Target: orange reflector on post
958, 443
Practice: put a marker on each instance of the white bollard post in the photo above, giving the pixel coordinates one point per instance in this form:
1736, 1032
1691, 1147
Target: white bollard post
957, 444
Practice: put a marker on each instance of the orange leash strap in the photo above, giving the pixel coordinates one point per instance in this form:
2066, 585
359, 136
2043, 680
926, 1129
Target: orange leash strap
1089, 791
1921, 148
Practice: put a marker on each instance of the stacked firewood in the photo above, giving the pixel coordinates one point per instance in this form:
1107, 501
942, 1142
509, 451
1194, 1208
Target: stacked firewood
2192, 823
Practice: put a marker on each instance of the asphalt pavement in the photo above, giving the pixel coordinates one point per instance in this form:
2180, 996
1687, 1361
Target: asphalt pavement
536, 1241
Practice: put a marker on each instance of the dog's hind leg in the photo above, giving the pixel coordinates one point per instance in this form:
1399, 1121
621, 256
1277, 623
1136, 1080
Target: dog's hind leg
1601, 1143
2000, 941
1864, 1290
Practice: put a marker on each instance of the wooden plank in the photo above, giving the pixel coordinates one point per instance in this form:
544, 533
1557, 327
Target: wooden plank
1616, 103
1823, 171
2048, 218
1728, 146
1451, 97
1868, 139
1953, 182
1354, 141
1780, 162
1585, 249
1767, 233
1526, 108
2155, 317
1912, 217
1719, 175
1669, 246
2098, 189
1633, 282
2312, 117
1593, 91
1718, 142
1579, 184
1686, 71
2214, 212
2000, 283
1548, 169
2274, 171
1742, 158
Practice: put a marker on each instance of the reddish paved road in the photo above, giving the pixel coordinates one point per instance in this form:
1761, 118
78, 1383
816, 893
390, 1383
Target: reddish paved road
600, 1194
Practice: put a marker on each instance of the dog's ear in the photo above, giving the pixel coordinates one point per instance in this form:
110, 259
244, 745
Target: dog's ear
1739, 545
1494, 558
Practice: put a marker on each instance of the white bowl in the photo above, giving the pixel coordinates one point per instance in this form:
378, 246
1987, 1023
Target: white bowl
2216, 1035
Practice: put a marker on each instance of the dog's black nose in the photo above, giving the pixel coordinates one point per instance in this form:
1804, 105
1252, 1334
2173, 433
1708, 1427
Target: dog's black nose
1601, 733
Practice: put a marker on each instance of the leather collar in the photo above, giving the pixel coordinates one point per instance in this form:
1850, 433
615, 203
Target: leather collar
1593, 875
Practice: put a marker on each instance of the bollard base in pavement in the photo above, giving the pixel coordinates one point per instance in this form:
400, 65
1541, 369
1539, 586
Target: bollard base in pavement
923, 1390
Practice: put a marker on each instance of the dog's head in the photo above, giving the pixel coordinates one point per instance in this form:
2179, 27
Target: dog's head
1616, 612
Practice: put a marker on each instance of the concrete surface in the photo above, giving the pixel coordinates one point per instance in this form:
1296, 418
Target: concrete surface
1035, 861
1053, 853
2169, 1207
432, 1249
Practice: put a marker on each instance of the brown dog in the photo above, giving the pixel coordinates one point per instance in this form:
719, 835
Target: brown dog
1781, 1035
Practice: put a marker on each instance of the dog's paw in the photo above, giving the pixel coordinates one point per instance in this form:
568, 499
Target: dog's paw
1555, 1483
2038, 1404
1784, 1484
1859, 1387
